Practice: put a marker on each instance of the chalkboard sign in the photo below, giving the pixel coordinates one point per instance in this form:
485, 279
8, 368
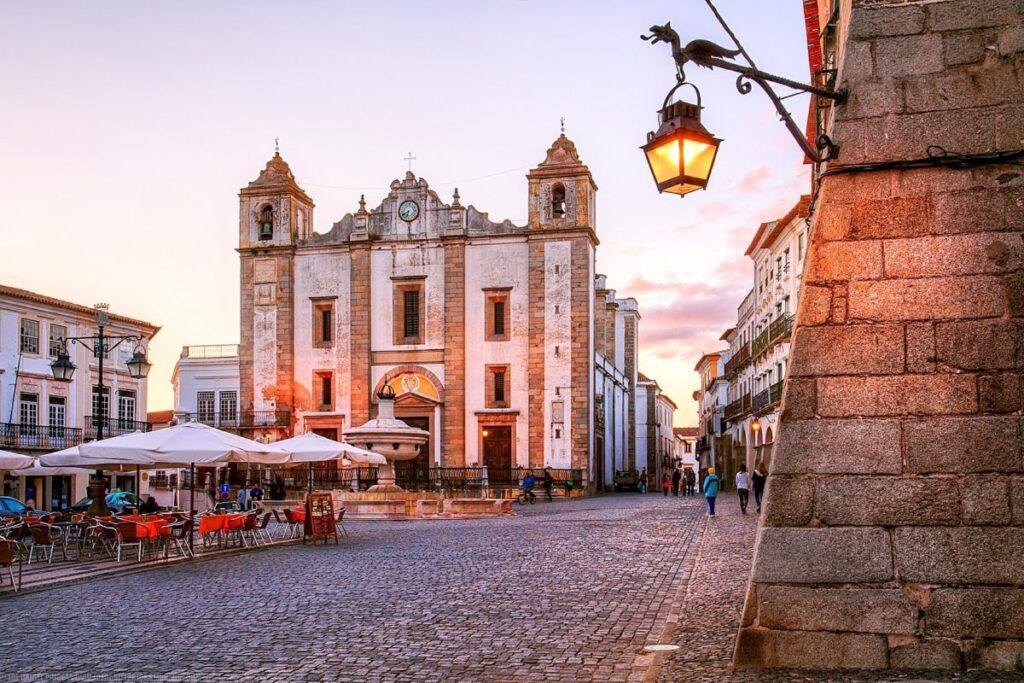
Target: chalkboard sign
319, 518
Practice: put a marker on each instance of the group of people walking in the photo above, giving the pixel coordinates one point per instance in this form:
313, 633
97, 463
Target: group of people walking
744, 482
679, 480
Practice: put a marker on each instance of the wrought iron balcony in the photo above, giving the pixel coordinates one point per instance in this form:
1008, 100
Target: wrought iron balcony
741, 358
738, 408
767, 398
244, 419
113, 427
779, 330
38, 437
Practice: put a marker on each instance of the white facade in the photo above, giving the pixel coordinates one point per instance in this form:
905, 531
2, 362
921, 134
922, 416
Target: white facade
759, 344
712, 398
40, 415
205, 381
684, 440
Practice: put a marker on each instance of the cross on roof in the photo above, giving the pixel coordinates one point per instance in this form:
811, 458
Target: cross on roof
410, 158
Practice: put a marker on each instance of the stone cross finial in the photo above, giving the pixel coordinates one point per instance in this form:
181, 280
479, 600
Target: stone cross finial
277, 146
563, 125
410, 158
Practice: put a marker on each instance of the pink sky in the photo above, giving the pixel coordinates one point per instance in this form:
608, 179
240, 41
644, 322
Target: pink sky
128, 128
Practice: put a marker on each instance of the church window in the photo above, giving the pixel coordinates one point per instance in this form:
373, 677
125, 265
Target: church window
558, 200
267, 222
497, 390
496, 315
323, 323
323, 385
411, 314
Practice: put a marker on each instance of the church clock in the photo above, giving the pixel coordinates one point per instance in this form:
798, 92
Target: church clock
408, 211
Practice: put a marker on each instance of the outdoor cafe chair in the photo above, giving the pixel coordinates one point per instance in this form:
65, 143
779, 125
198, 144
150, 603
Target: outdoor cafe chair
235, 527
294, 523
260, 533
131, 535
44, 539
249, 528
8, 554
177, 535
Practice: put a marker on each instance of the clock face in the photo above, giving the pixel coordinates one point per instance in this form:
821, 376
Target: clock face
408, 210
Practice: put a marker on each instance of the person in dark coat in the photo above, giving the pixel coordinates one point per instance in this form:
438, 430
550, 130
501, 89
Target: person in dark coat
677, 476
758, 480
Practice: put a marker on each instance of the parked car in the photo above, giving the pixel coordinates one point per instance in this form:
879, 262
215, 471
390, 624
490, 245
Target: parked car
119, 502
11, 507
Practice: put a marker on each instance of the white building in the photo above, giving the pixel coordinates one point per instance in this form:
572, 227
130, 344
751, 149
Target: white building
40, 415
759, 344
655, 412
684, 441
712, 398
205, 381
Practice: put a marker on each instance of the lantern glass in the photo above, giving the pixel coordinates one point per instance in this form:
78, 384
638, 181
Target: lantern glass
698, 157
682, 153
62, 368
138, 366
664, 160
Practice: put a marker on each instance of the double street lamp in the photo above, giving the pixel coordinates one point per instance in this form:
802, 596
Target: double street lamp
100, 344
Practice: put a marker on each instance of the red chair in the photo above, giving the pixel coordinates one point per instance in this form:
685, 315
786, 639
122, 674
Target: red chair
8, 552
131, 534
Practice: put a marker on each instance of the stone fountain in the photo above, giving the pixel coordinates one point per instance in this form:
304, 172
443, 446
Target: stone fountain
390, 437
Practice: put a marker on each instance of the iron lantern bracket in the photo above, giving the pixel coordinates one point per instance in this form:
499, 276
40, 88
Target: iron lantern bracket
709, 55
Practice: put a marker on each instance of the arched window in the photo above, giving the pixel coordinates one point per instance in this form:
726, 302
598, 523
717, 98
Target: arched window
267, 222
558, 200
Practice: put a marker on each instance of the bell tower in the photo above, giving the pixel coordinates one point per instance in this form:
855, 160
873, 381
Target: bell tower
562, 191
275, 215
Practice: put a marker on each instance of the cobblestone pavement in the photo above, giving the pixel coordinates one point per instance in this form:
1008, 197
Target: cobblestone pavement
706, 615
568, 591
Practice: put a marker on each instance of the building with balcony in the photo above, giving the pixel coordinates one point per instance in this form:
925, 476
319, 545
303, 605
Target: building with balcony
712, 399
759, 343
40, 415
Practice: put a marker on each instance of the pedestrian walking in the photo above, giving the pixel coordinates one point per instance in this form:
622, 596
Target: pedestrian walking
641, 484
677, 476
243, 498
691, 482
759, 479
548, 482
743, 487
711, 490
666, 483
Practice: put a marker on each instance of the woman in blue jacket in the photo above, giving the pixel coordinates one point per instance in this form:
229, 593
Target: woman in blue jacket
711, 490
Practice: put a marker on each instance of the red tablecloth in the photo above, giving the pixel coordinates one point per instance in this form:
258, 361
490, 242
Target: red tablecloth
211, 523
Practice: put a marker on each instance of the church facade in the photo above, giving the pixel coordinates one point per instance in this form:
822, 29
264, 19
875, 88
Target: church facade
485, 330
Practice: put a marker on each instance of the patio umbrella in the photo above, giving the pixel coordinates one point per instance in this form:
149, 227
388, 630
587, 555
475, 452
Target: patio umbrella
11, 461
38, 470
311, 447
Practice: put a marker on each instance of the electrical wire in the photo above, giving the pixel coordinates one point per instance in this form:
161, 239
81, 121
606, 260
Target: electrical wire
447, 183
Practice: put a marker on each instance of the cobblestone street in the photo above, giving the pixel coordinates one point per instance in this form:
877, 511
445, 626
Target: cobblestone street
438, 600
467, 600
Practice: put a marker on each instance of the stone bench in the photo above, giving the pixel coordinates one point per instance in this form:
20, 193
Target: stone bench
374, 509
477, 507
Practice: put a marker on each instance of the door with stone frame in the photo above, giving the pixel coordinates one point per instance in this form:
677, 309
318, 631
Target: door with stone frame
496, 445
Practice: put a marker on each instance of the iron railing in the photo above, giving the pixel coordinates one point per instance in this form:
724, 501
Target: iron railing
738, 408
737, 361
38, 437
113, 427
779, 330
767, 398
244, 419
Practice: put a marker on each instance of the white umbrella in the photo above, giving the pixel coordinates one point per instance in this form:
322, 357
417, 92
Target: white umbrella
11, 461
182, 445
312, 447
72, 457
38, 470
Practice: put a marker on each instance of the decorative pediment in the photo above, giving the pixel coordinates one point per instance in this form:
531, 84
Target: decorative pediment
561, 153
276, 172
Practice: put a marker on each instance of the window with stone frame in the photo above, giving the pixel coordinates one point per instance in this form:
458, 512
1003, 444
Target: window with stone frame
323, 323
408, 311
323, 390
498, 390
29, 336
57, 333
497, 315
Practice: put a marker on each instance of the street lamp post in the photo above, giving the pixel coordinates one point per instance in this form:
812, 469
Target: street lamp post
63, 370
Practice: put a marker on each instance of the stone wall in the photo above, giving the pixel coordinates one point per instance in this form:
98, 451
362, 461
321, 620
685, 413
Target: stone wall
891, 535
